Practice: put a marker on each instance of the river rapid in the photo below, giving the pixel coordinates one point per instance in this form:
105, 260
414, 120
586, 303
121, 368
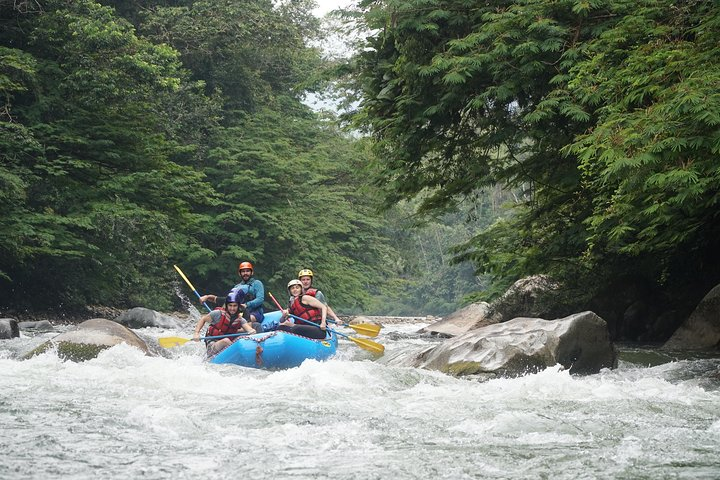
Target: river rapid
174, 416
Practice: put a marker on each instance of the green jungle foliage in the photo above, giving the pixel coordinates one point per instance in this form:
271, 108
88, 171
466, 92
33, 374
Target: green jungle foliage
603, 116
138, 135
135, 135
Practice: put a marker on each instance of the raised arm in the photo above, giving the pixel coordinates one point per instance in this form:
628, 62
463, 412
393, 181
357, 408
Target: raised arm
209, 298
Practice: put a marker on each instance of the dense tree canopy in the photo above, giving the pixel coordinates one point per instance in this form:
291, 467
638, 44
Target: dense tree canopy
96, 190
603, 116
135, 134
138, 134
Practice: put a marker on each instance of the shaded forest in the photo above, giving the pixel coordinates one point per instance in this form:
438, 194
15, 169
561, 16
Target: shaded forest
483, 143
602, 116
140, 134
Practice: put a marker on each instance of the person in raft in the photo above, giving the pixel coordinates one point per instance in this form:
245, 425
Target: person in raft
254, 298
224, 321
306, 278
306, 306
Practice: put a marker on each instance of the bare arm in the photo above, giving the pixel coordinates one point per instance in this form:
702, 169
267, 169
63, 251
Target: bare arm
203, 320
315, 303
248, 328
334, 316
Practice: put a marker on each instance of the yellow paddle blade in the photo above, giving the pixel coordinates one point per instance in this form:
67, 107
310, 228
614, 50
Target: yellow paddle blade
367, 329
368, 345
184, 277
169, 342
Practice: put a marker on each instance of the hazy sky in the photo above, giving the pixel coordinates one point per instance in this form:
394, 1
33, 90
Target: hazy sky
324, 6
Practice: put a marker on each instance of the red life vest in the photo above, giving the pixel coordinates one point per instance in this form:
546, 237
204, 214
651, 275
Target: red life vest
224, 326
307, 312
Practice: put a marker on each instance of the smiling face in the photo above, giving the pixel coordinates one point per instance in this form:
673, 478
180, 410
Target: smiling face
306, 282
232, 308
245, 274
295, 290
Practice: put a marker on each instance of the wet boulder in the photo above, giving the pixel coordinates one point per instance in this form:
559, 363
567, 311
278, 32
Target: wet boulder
9, 328
38, 326
534, 296
579, 342
140, 317
89, 339
702, 329
467, 318
537, 296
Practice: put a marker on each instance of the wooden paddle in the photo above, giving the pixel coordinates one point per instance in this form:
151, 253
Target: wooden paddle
361, 342
169, 342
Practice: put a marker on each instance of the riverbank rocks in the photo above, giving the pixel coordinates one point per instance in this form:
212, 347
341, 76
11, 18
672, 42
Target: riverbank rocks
89, 339
467, 318
537, 296
140, 317
38, 326
579, 342
9, 328
361, 319
702, 329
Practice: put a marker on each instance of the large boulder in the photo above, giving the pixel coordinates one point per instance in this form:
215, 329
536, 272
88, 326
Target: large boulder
579, 342
140, 317
536, 296
467, 318
9, 328
702, 329
89, 339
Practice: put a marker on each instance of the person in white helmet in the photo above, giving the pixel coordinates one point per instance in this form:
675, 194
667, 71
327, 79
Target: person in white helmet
304, 306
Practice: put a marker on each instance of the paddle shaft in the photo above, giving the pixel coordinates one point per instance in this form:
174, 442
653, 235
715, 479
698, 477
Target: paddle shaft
191, 287
275, 300
224, 336
169, 342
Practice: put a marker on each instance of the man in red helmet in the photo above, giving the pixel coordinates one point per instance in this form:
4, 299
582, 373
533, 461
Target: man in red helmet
253, 306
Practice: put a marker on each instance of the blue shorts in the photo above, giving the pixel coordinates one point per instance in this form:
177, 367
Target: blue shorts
259, 315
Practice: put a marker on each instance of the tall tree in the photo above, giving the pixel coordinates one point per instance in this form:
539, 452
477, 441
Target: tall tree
103, 201
603, 113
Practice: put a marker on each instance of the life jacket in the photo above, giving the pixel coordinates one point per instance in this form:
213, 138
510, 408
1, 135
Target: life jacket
307, 312
224, 326
250, 293
310, 291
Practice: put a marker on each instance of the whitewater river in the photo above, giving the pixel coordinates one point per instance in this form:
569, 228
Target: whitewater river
126, 415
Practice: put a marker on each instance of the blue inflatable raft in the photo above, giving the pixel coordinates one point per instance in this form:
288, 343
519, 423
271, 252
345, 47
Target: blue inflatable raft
276, 349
